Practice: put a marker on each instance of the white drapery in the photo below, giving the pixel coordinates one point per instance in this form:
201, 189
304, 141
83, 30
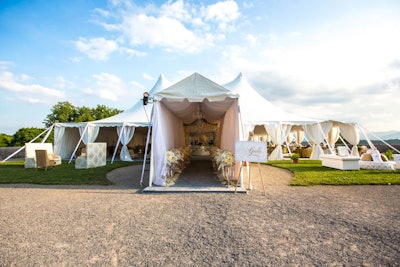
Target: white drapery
278, 133
125, 134
317, 132
58, 135
91, 133
333, 136
351, 135
172, 135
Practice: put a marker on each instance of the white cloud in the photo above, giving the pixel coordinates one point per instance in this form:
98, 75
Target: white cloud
175, 26
177, 10
163, 31
108, 87
223, 13
16, 84
63, 83
96, 48
148, 77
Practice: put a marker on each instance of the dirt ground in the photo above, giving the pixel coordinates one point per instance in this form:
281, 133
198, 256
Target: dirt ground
120, 226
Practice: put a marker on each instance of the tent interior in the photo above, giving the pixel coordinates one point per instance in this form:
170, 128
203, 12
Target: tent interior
191, 103
107, 134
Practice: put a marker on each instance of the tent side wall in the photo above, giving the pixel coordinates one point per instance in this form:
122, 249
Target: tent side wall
168, 133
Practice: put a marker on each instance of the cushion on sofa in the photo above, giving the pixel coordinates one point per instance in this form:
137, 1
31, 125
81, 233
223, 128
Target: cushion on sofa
366, 157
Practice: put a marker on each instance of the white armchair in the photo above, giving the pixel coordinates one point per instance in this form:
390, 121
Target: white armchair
30, 155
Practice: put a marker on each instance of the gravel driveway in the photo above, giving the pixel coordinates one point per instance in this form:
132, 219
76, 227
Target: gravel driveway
119, 226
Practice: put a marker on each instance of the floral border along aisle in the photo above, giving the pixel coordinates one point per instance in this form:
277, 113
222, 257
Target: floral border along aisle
223, 163
177, 160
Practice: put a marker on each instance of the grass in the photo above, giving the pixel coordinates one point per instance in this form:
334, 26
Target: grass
306, 172
311, 172
13, 172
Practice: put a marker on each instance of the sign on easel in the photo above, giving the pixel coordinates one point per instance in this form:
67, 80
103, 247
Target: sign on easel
251, 151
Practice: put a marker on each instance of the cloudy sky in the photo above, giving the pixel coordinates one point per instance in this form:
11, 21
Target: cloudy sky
331, 59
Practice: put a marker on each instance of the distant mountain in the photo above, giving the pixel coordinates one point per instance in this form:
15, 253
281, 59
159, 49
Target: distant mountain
390, 135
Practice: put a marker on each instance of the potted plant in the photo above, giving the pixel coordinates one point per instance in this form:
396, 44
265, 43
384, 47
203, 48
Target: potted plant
295, 157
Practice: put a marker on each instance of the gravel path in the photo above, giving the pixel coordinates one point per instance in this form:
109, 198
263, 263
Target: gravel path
119, 226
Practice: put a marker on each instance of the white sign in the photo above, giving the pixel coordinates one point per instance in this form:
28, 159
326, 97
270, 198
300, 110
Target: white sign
250, 151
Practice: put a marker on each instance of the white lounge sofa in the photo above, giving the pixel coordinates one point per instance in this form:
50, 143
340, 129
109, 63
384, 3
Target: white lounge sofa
342, 161
374, 160
30, 155
94, 156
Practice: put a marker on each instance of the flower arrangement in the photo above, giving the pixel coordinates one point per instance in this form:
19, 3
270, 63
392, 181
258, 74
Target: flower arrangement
223, 162
177, 159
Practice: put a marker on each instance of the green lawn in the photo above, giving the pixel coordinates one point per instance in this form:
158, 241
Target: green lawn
13, 172
306, 172
311, 172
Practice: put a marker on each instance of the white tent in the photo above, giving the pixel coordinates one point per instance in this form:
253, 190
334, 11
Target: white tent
127, 127
177, 105
256, 111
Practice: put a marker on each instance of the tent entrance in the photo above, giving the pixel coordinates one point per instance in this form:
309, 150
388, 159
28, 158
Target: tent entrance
201, 136
198, 176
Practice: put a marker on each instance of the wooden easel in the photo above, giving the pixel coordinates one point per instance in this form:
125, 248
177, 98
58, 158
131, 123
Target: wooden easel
262, 180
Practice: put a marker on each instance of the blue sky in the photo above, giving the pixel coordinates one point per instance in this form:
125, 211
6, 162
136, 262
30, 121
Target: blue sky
329, 59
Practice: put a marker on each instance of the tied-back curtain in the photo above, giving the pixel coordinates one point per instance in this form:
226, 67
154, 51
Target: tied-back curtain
351, 135
90, 135
125, 133
333, 136
313, 131
278, 133
58, 136
299, 137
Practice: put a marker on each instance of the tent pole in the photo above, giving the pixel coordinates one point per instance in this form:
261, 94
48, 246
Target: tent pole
366, 137
325, 138
119, 140
146, 148
241, 163
48, 133
386, 143
16, 152
80, 140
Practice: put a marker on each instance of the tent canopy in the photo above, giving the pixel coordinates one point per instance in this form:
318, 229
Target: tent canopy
256, 110
67, 136
139, 114
182, 103
197, 95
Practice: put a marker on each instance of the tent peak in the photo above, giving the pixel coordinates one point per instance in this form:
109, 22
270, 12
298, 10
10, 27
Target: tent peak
195, 88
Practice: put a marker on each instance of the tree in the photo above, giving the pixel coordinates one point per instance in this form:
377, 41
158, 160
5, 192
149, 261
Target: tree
5, 140
66, 112
102, 111
24, 135
61, 112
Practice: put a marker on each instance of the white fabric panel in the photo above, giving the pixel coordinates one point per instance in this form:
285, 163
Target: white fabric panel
351, 135
333, 136
58, 136
91, 133
168, 133
126, 134
278, 133
299, 136
313, 131
230, 128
